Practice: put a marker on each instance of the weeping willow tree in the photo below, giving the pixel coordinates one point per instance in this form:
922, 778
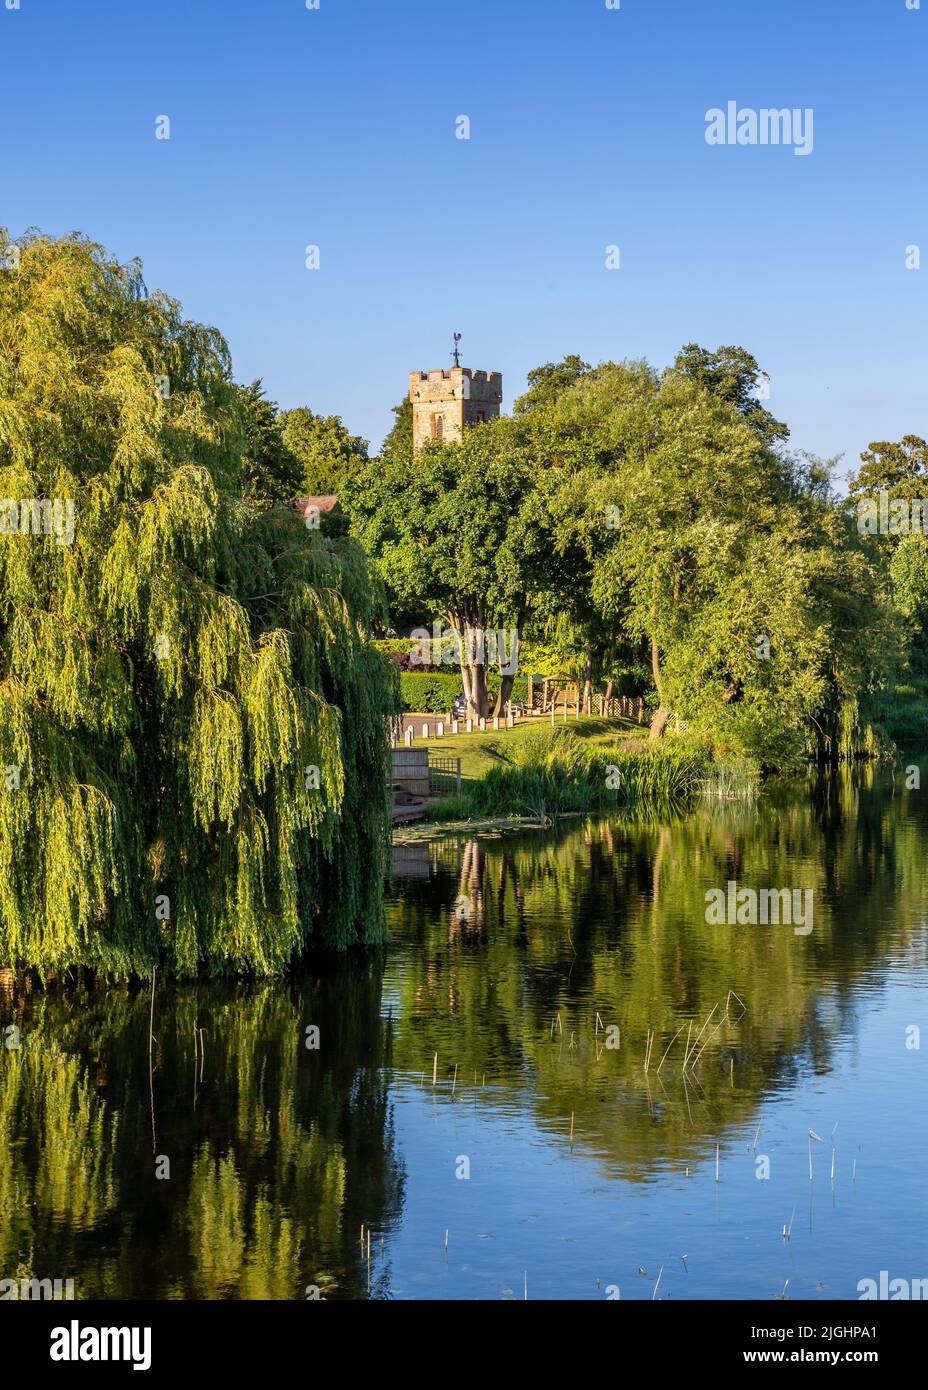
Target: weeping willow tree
191, 717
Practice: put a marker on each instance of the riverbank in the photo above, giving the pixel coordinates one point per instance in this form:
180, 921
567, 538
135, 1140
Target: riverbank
534, 775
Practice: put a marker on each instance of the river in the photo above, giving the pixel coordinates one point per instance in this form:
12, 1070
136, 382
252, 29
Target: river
497, 1105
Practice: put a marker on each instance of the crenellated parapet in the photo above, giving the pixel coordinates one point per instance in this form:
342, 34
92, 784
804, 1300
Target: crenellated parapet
446, 401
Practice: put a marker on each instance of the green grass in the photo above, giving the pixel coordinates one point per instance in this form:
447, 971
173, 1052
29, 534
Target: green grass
544, 773
479, 752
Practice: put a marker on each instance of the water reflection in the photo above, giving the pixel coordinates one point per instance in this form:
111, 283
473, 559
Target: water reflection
277, 1153
526, 959
554, 983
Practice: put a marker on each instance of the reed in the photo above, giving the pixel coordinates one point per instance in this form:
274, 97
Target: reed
672, 1041
548, 774
819, 1140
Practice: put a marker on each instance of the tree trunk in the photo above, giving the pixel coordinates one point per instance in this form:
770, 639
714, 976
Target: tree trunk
588, 684
465, 682
610, 684
508, 664
661, 714
505, 692
658, 723
477, 702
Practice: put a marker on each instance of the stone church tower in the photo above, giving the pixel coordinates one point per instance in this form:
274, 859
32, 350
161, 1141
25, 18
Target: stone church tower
445, 403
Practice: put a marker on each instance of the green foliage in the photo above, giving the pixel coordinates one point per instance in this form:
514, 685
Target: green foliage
435, 692
398, 444
901, 469
324, 450
904, 712
167, 679
900, 472
450, 534
732, 374
429, 692
909, 575
728, 561
272, 474
545, 384
556, 772
649, 529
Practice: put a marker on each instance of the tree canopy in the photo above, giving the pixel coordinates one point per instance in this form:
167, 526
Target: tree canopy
191, 715
454, 541
651, 523
325, 452
271, 472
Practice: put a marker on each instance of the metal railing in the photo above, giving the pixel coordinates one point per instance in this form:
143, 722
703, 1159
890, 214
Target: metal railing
444, 776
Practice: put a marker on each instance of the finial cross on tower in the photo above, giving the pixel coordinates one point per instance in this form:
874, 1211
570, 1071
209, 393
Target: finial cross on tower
456, 354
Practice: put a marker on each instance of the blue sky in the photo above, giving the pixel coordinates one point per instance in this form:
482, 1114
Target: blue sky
336, 127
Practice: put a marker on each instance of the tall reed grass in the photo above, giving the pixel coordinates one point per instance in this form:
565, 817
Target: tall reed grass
551, 774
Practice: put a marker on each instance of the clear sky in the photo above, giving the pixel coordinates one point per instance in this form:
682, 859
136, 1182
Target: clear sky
336, 127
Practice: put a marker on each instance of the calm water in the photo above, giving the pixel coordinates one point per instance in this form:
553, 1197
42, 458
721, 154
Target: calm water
536, 967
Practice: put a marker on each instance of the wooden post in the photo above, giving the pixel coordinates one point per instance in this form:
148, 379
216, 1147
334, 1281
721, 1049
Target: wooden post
459, 776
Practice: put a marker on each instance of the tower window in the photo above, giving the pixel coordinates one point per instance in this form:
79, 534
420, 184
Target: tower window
438, 426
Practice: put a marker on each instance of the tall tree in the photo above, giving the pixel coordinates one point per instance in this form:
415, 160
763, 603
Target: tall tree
732, 374
271, 472
900, 471
761, 612
452, 540
191, 717
398, 443
547, 383
325, 450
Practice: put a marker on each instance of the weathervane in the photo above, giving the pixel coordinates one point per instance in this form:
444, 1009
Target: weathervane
456, 354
